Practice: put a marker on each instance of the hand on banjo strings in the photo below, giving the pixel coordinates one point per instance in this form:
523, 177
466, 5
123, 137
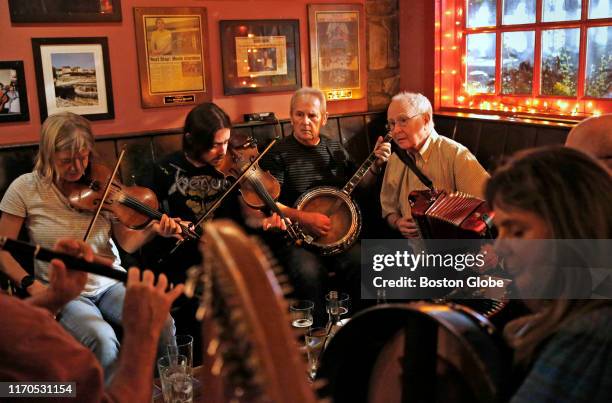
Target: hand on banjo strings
316, 224
274, 222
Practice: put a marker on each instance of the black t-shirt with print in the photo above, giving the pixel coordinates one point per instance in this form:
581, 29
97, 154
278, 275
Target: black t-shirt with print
188, 192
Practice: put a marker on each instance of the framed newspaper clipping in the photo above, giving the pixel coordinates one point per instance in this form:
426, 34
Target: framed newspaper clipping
337, 35
173, 62
260, 56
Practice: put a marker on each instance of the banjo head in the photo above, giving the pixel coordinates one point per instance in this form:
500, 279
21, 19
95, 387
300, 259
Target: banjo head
344, 214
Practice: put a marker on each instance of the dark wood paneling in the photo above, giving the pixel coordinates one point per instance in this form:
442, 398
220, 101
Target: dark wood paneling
357, 132
332, 129
287, 128
445, 125
166, 144
519, 138
14, 163
491, 145
265, 134
354, 138
468, 134
106, 152
375, 125
136, 167
546, 136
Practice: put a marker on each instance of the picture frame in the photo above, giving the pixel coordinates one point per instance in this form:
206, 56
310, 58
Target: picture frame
73, 74
13, 95
337, 53
260, 56
173, 56
24, 11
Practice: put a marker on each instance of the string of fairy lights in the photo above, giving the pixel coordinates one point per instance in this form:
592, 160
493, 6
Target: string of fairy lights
453, 90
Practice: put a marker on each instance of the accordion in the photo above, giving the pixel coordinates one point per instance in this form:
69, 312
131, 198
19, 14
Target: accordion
443, 215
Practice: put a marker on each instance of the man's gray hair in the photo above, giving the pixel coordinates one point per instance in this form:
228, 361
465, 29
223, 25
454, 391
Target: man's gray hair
419, 102
309, 91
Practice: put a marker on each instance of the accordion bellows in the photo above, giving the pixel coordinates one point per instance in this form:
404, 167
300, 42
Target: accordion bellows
443, 215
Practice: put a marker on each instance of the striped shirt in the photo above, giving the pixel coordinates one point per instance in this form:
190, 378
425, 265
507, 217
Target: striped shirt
299, 168
448, 164
49, 217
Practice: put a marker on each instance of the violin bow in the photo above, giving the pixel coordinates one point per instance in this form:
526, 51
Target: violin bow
227, 192
106, 190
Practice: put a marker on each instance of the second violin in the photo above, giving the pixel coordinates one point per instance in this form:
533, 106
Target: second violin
258, 188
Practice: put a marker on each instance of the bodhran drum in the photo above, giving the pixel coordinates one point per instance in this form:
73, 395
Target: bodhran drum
344, 214
418, 352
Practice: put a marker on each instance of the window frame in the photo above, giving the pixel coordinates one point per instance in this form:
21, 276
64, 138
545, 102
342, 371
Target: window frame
579, 105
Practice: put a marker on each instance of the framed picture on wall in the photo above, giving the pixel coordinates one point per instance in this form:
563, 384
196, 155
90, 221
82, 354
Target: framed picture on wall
73, 74
173, 62
336, 52
65, 11
260, 56
13, 96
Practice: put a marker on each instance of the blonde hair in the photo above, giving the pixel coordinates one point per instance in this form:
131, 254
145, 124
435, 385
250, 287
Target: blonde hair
419, 103
60, 132
309, 91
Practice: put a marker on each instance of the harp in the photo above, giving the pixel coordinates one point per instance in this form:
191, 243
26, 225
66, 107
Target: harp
250, 351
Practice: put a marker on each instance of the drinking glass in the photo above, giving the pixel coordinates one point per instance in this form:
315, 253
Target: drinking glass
175, 381
337, 305
184, 346
315, 341
182, 389
301, 313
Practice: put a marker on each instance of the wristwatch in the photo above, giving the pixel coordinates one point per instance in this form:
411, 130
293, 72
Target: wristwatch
27, 281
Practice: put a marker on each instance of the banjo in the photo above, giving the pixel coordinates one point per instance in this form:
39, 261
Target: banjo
340, 207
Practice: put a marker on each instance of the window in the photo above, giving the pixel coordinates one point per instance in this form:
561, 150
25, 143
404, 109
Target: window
541, 57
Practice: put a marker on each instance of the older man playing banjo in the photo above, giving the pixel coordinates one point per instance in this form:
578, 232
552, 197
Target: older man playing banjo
302, 161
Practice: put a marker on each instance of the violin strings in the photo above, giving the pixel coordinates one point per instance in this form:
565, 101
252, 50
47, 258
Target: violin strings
139, 206
136, 204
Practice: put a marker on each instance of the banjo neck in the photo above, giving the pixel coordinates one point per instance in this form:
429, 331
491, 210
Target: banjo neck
363, 170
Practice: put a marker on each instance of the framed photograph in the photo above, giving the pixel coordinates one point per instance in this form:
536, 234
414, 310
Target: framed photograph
13, 96
173, 62
73, 74
65, 11
336, 50
260, 56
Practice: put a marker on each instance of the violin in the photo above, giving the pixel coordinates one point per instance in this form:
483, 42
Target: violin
133, 206
259, 189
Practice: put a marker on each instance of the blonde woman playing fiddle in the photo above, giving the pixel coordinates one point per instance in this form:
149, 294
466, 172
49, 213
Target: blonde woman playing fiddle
37, 201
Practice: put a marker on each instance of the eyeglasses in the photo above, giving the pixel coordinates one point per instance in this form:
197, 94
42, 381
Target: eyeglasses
402, 121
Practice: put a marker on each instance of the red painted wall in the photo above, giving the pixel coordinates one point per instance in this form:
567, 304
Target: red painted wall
129, 115
416, 41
